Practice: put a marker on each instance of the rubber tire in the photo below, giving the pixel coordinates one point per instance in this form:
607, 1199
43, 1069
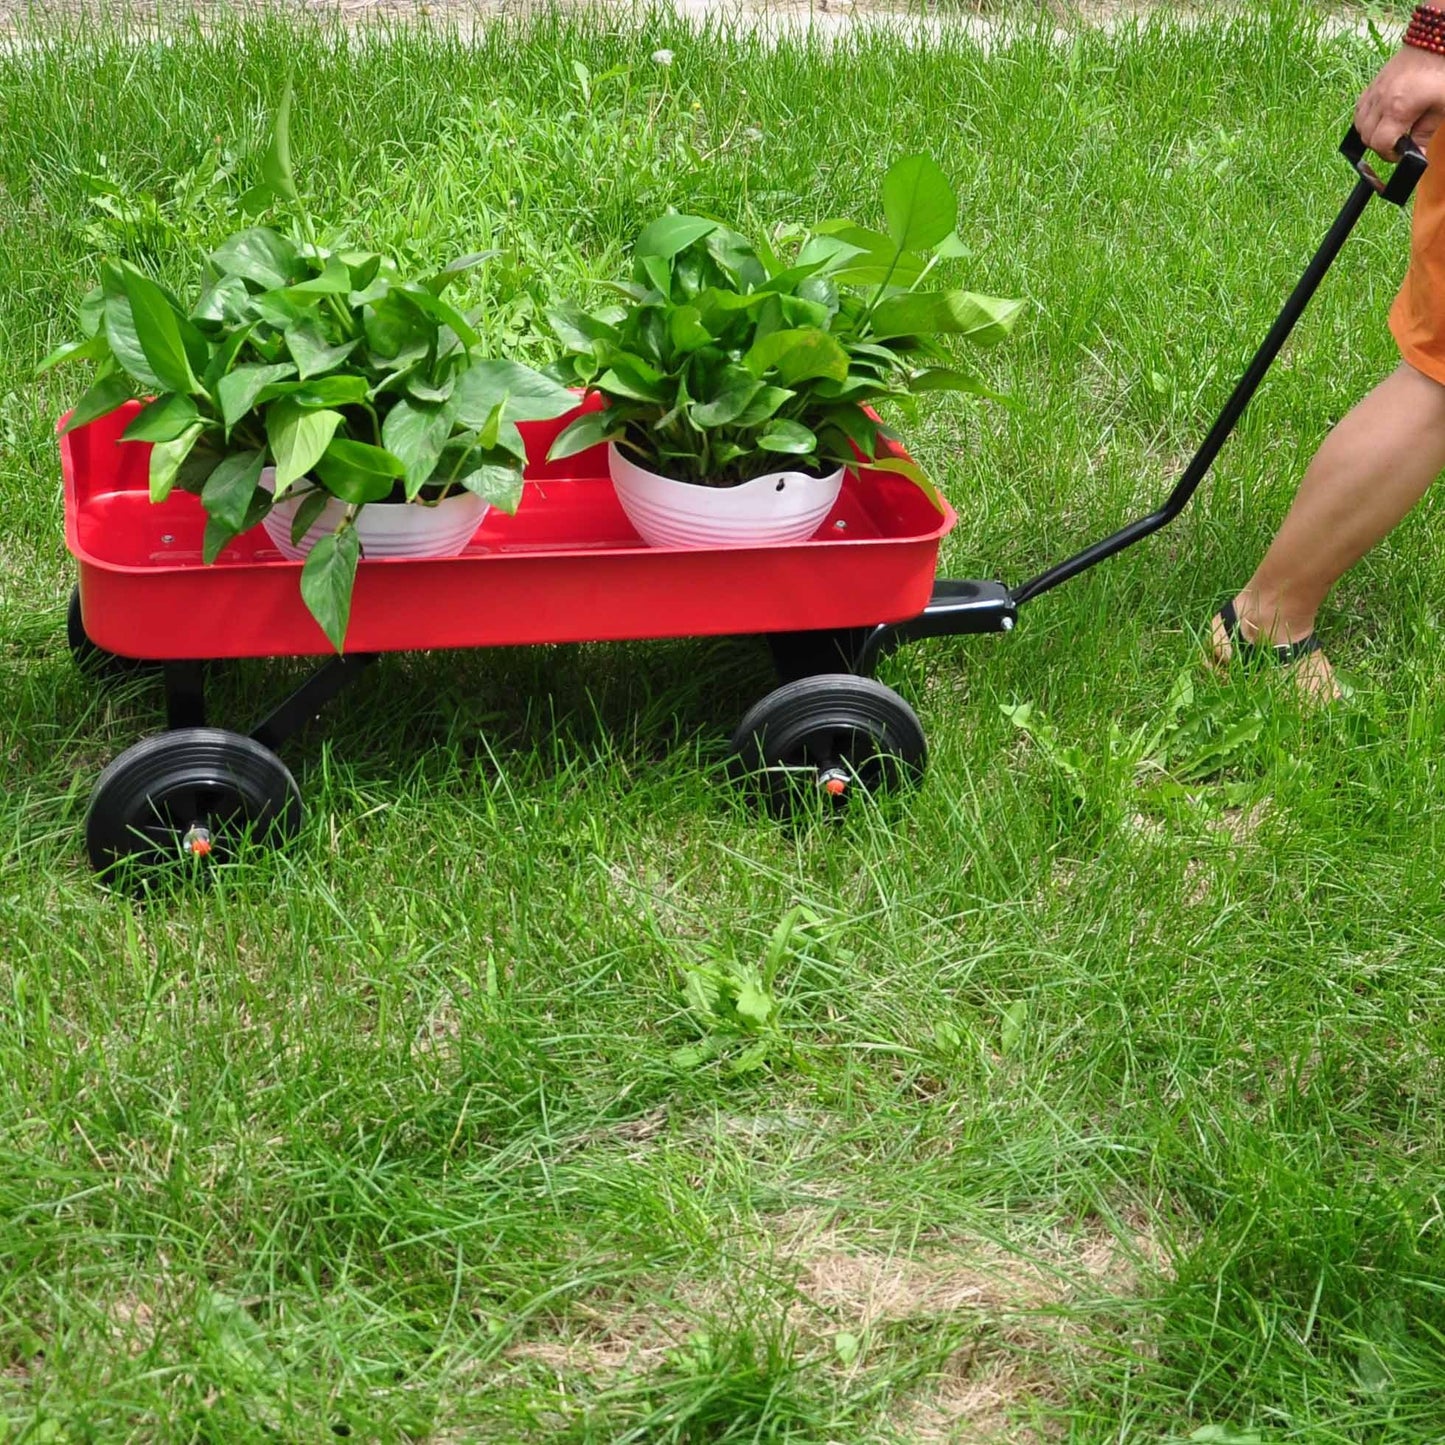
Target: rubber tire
809, 654
833, 719
146, 800
95, 661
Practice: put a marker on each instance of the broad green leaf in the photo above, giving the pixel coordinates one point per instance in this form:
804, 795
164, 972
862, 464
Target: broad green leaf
396, 328
163, 420
230, 487
223, 357
951, 248
312, 506
846, 1347
764, 403
983, 320
312, 352
415, 435
170, 342
577, 330
686, 329
735, 389
658, 273
334, 280
919, 203
236, 392
226, 300
339, 390
449, 273
120, 331
298, 438
856, 425
276, 164
633, 378
419, 389
327, 580
102, 399
357, 472
92, 311
914, 474
949, 378
166, 459
668, 235
590, 429
798, 355
260, 255
93, 348
529, 395
280, 309
790, 437
753, 1001
500, 485
878, 259
1015, 1016
444, 312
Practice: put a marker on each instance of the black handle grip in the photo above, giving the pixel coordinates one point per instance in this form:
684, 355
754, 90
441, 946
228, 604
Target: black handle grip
1406, 176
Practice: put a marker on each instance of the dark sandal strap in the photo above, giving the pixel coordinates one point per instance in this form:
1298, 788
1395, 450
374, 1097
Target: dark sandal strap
1283, 653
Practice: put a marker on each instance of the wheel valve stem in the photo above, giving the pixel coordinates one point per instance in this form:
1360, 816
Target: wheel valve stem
197, 841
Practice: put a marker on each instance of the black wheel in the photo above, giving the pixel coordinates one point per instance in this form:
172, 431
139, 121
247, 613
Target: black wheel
807, 654
830, 736
96, 661
188, 795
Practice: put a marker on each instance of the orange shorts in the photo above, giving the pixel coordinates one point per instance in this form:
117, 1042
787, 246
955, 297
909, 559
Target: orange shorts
1417, 318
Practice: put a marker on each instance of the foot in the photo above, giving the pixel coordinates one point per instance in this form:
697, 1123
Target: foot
1309, 671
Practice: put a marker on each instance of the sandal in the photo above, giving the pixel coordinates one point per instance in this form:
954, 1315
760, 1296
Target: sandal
1282, 654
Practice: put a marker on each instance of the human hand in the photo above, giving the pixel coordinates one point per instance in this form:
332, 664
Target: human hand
1407, 97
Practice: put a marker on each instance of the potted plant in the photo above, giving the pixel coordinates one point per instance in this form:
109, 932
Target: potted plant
725, 360
316, 391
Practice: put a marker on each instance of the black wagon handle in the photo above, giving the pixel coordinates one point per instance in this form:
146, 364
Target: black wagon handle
1406, 175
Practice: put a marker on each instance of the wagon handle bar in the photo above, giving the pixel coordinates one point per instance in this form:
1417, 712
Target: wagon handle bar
1397, 190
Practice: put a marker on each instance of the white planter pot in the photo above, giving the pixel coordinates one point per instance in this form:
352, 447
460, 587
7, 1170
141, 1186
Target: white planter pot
778, 507
386, 529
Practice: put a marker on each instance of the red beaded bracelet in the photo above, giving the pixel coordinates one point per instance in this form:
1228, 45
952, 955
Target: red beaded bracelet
1426, 30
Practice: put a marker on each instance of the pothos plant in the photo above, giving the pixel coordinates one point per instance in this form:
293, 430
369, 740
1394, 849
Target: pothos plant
347, 377
724, 355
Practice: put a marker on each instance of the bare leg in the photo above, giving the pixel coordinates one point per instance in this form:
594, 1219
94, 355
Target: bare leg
1372, 468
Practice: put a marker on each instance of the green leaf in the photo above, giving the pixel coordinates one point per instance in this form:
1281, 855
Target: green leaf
950, 378
668, 235
767, 400
166, 459
798, 355
878, 259
790, 437
629, 376
846, 1347
333, 280
91, 312
230, 487
298, 438
120, 331
93, 348
357, 472
276, 164
913, 472
529, 395
448, 273
1011, 1033
338, 390
686, 329
735, 390
415, 435
311, 508
312, 352
919, 203
327, 580
753, 1001
163, 420
983, 320
397, 329
577, 330
590, 429
260, 255
237, 391
169, 341
225, 301
501, 485
444, 312
102, 399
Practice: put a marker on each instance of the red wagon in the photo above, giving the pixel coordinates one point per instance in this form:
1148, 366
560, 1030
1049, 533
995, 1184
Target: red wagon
567, 568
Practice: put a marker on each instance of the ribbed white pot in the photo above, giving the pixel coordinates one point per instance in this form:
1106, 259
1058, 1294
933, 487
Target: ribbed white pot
778, 507
386, 529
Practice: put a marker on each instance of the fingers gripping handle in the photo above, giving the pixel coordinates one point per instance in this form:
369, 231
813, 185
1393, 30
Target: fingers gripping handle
1401, 185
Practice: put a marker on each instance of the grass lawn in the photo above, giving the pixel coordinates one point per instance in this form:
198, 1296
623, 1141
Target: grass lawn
1101, 1100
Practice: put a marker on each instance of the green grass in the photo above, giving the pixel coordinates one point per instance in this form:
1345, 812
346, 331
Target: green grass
1093, 1109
